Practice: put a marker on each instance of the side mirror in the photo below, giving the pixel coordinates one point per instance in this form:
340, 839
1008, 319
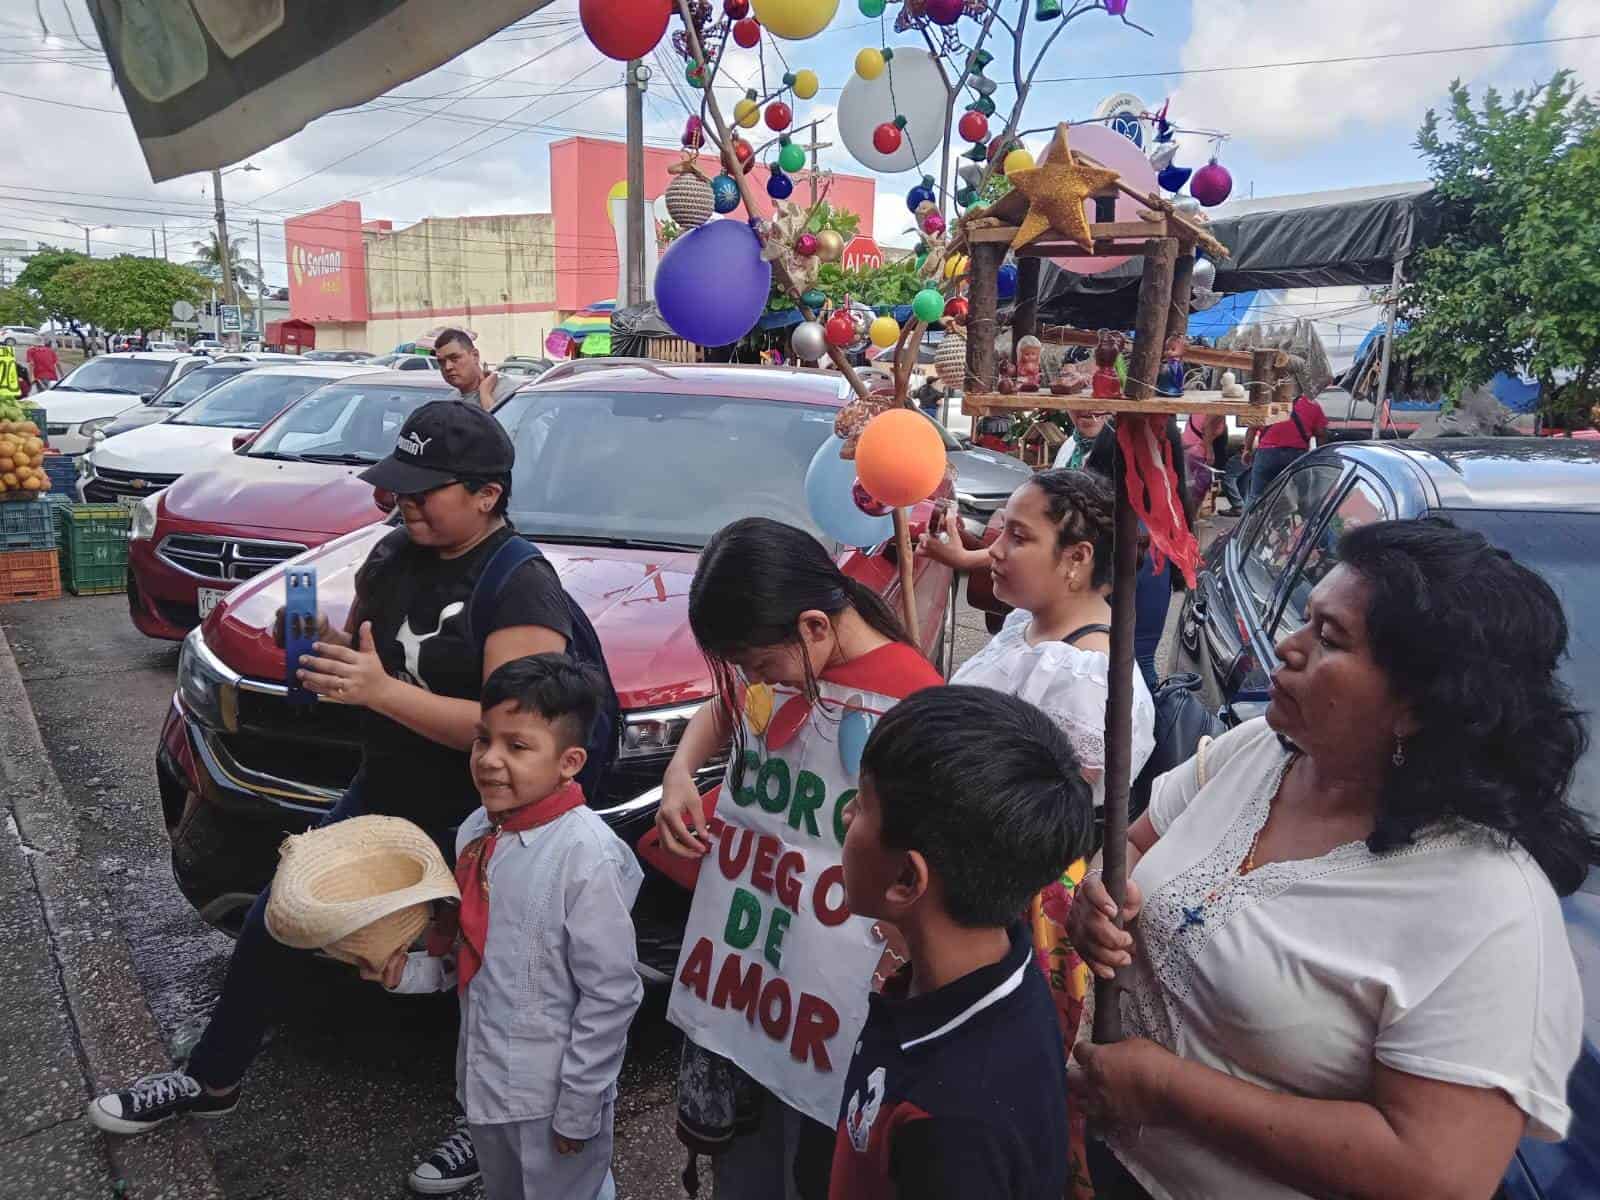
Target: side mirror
146, 397
241, 440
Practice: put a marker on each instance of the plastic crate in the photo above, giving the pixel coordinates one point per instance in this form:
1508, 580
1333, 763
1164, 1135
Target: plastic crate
27, 525
93, 540
29, 575
62, 470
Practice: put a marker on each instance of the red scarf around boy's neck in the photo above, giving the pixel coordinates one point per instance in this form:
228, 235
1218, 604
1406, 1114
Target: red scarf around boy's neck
472, 871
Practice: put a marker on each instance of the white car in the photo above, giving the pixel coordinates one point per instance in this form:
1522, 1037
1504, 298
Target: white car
145, 460
19, 335
91, 397
207, 346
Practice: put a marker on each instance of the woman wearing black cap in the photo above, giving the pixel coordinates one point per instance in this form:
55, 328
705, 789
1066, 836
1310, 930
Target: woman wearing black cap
407, 657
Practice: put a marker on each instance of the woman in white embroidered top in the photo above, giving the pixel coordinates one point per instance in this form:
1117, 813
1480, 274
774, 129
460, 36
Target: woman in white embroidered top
1052, 564
1350, 974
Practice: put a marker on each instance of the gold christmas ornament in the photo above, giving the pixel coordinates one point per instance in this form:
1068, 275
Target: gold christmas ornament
1056, 192
830, 246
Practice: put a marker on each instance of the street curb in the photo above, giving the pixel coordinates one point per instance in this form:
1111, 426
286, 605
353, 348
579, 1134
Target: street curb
115, 1033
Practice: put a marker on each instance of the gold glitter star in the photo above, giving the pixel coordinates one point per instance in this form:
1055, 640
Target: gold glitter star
1056, 191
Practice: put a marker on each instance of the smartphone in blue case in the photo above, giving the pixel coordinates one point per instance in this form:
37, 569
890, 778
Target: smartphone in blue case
299, 627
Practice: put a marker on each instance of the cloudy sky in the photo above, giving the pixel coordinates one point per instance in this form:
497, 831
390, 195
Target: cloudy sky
472, 136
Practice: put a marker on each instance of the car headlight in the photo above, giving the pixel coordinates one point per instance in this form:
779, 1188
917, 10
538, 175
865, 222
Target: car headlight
144, 517
208, 689
653, 732
90, 428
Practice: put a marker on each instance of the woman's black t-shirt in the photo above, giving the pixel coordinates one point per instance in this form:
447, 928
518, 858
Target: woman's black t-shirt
417, 603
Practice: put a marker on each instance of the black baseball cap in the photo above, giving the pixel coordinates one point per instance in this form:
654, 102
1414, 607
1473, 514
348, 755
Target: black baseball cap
442, 442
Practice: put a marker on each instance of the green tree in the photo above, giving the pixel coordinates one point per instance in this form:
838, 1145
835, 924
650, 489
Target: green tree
126, 292
36, 275
1511, 279
18, 307
207, 261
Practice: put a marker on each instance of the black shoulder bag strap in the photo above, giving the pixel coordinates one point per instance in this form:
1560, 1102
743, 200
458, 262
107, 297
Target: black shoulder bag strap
1294, 415
1084, 631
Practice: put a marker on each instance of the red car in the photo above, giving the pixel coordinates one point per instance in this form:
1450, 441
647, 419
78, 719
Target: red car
624, 470
289, 487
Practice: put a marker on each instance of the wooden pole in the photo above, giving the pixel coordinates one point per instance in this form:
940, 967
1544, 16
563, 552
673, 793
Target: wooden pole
984, 302
1155, 296
1025, 315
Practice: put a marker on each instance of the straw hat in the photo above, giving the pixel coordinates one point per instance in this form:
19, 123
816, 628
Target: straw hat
357, 889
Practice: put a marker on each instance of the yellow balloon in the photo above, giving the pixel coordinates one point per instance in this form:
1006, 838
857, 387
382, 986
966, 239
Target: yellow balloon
805, 84
758, 707
795, 19
747, 112
884, 331
869, 63
955, 265
1018, 160
619, 191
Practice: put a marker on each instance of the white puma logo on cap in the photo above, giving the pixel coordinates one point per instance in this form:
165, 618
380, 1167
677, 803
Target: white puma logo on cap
412, 444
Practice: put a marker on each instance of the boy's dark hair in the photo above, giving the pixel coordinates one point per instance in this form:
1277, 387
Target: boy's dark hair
987, 789
460, 336
564, 692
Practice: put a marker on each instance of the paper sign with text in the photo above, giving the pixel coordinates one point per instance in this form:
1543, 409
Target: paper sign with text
775, 971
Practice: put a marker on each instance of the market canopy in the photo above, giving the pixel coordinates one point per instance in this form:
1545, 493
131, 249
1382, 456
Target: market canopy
1322, 239
209, 83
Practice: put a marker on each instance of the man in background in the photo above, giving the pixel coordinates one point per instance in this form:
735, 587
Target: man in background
44, 364
462, 368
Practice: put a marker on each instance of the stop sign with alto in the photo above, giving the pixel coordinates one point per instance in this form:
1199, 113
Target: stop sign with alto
861, 252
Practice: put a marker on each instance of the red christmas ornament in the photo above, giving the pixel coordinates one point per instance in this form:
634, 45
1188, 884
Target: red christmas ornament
957, 309
866, 503
744, 152
694, 134
886, 138
779, 115
806, 245
999, 147
946, 12
737, 10
974, 126
747, 32
840, 329
933, 224
624, 29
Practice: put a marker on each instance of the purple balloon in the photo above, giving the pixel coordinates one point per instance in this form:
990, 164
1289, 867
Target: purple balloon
712, 283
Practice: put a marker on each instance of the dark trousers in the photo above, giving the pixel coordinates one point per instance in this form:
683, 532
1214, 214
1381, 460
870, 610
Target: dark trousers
1267, 466
1111, 1179
258, 974
1152, 598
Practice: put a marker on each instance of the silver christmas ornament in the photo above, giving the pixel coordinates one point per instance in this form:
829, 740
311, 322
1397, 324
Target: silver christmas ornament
809, 341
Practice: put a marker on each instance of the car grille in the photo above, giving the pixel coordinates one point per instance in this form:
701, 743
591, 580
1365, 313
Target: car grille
57, 430
230, 559
316, 745
107, 487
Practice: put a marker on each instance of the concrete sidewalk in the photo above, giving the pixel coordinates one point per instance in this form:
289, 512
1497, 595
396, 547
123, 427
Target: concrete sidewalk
73, 1019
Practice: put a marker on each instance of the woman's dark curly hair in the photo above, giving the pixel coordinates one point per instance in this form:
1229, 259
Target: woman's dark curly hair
1471, 639
1079, 504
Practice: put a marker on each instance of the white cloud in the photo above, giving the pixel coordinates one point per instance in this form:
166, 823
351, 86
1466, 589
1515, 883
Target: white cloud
1572, 18
1290, 109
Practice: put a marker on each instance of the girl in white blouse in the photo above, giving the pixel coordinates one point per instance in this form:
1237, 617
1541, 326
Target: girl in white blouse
1349, 975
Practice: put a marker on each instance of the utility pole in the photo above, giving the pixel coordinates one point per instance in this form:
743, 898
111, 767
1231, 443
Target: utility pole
261, 284
812, 147
222, 240
152, 243
164, 240
638, 73
88, 249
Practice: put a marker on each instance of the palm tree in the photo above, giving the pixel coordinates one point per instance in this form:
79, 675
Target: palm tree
246, 271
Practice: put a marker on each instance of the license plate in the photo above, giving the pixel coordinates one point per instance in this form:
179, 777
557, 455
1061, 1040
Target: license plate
207, 599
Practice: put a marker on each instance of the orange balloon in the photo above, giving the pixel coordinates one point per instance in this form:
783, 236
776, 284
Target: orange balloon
900, 458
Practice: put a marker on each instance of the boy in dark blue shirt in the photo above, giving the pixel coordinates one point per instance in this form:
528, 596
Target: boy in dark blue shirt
970, 802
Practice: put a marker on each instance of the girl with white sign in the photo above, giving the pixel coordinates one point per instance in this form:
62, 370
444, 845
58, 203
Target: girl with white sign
771, 988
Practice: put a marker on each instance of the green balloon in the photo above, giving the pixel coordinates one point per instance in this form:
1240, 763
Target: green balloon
928, 306
873, 8
791, 158
966, 196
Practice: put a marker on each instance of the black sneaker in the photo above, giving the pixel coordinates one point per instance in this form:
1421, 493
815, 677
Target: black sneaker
453, 1165
155, 1100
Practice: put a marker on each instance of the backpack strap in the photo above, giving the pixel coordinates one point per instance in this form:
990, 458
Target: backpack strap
1084, 631
1294, 415
486, 592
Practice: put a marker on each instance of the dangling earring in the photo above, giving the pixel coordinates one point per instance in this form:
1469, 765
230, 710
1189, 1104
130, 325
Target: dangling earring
1398, 758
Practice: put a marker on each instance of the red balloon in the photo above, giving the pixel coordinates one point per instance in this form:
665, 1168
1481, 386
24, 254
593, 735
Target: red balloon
779, 115
957, 309
840, 329
747, 32
624, 29
886, 138
744, 152
946, 12
737, 10
974, 126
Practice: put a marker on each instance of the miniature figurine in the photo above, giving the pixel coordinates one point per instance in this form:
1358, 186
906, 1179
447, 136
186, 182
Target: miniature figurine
1170, 380
1232, 389
1029, 350
1107, 385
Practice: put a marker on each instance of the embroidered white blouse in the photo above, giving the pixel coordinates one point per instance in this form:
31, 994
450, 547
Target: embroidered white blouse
1068, 684
1446, 959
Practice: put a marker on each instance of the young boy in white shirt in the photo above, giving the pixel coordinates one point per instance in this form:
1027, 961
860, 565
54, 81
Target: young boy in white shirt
544, 954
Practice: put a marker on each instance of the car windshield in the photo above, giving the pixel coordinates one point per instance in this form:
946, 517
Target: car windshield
196, 384
344, 422
1561, 547
657, 467
249, 401
135, 376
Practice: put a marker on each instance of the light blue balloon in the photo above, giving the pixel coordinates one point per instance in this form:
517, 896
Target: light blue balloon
829, 480
853, 733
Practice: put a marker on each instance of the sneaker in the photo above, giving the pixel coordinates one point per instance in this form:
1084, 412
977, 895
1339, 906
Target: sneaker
453, 1165
155, 1100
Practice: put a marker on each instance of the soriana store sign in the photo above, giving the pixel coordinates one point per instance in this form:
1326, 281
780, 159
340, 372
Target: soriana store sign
327, 264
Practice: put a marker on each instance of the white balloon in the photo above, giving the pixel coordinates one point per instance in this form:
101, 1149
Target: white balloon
1162, 154
918, 90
